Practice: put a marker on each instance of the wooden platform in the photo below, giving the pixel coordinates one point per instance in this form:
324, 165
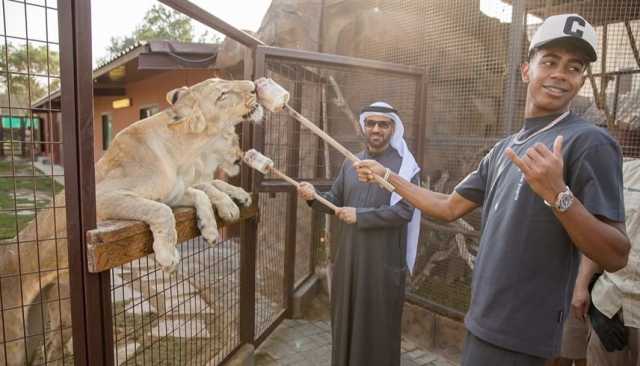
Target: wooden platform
117, 242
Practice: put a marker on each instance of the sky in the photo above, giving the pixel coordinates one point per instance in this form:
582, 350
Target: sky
502, 11
115, 18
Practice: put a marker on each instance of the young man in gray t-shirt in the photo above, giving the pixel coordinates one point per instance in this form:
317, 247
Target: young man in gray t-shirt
549, 192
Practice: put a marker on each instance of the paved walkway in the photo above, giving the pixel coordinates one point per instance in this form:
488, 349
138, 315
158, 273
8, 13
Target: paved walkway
307, 342
47, 169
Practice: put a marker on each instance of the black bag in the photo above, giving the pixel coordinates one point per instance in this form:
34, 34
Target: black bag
612, 332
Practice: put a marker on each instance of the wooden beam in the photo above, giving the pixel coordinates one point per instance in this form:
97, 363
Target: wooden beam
343, 106
632, 42
594, 86
117, 242
600, 103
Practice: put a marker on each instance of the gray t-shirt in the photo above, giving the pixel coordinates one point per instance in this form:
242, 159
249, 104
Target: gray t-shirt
526, 265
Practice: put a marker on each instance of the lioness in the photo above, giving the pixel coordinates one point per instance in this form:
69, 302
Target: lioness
152, 164
150, 167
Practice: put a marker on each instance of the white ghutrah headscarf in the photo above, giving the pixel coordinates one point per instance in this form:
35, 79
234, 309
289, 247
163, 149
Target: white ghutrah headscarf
408, 169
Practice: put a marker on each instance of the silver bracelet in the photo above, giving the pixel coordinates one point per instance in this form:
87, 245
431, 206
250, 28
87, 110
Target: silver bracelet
387, 173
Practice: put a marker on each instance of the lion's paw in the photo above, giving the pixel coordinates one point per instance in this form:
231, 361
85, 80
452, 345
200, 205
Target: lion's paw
228, 210
168, 258
209, 232
242, 197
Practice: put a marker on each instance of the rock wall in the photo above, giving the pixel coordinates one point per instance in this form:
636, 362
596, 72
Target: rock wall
287, 23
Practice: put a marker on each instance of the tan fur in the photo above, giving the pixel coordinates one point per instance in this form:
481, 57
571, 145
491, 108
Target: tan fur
154, 164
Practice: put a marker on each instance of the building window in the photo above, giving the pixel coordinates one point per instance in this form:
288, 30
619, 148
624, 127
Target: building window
107, 133
148, 111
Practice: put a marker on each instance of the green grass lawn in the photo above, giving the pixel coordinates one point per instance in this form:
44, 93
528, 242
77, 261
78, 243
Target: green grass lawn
23, 191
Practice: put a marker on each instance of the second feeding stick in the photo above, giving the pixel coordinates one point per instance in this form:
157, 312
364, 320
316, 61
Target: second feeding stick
263, 164
293, 182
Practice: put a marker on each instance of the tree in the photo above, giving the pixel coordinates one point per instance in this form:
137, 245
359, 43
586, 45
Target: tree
210, 37
29, 75
160, 23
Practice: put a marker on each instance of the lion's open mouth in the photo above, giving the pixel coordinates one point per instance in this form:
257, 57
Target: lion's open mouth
254, 114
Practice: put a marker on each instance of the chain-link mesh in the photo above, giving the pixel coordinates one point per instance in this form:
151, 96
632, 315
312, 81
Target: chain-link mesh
611, 95
304, 243
34, 279
190, 318
341, 91
330, 96
464, 47
464, 53
270, 261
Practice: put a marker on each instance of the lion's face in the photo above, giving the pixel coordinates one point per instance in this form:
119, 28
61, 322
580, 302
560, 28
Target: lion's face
218, 101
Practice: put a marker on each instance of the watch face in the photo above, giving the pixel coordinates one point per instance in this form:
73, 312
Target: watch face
566, 198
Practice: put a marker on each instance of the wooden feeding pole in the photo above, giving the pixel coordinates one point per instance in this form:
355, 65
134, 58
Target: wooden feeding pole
264, 165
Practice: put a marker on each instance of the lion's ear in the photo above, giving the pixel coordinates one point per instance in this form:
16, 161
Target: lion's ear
194, 120
187, 111
174, 95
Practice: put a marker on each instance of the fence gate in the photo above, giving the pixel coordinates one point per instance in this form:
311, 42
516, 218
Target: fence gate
329, 90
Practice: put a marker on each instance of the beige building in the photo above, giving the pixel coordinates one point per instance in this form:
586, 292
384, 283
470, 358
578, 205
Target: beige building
130, 87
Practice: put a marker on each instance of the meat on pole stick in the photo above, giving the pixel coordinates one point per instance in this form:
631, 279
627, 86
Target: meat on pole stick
263, 164
274, 97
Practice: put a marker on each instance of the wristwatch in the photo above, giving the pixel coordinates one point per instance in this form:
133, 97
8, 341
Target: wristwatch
563, 200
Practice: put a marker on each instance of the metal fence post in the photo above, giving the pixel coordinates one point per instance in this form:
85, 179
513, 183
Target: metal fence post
420, 115
514, 55
90, 293
248, 232
293, 162
248, 236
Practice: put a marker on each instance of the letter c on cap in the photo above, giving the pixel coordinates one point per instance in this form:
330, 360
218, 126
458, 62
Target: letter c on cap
570, 25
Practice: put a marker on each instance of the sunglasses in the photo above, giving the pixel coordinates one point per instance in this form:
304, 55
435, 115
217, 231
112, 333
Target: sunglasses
382, 124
